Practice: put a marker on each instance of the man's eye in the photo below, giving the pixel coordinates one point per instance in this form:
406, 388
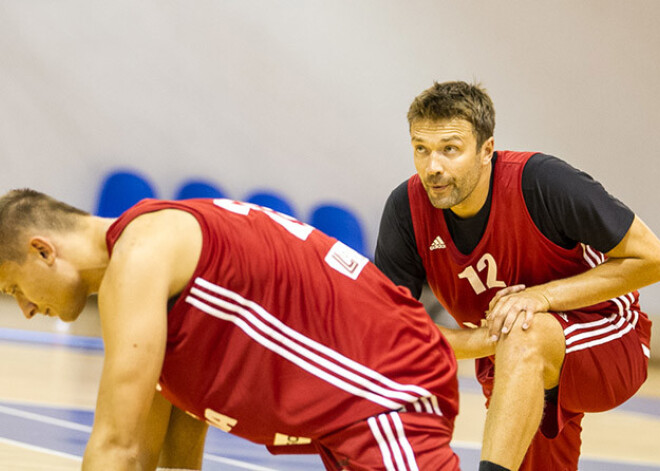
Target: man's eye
420, 149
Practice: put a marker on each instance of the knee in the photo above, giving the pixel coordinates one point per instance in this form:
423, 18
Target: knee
539, 349
520, 347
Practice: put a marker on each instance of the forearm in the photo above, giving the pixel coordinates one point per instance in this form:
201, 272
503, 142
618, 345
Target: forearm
469, 343
609, 280
632, 264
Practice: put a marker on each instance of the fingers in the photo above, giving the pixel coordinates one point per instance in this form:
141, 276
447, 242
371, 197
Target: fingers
505, 292
502, 317
529, 315
507, 307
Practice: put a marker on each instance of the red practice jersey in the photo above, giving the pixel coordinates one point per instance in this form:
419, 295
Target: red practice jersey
284, 334
511, 251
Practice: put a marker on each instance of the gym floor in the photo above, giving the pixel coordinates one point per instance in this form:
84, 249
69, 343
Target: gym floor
49, 373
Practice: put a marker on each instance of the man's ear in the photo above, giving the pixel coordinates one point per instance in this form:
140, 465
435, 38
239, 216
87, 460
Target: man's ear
43, 248
487, 149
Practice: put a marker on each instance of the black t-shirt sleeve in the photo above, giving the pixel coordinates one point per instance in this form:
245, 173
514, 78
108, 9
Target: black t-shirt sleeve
396, 250
569, 206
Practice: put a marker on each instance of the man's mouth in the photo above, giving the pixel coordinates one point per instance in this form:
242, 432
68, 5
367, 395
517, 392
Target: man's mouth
438, 186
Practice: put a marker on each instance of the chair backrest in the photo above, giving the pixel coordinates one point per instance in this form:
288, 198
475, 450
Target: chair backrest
198, 189
341, 224
272, 201
120, 190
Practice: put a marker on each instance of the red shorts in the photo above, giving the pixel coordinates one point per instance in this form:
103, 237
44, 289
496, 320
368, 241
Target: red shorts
392, 441
605, 364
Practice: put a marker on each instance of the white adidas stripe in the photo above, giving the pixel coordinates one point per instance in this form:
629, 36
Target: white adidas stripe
625, 313
588, 256
623, 302
595, 333
435, 405
382, 444
600, 341
291, 357
394, 446
392, 442
598, 256
223, 305
431, 405
246, 319
646, 350
403, 441
587, 325
285, 329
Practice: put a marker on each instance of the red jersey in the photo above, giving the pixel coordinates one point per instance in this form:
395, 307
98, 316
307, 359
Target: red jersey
511, 251
284, 334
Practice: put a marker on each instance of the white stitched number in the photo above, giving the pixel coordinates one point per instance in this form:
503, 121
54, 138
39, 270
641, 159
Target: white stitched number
472, 276
293, 226
218, 420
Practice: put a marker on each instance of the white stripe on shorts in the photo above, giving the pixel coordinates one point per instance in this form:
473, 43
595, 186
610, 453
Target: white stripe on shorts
646, 350
384, 450
394, 446
591, 334
273, 334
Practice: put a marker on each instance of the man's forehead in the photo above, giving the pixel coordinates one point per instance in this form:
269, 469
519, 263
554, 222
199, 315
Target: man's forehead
422, 129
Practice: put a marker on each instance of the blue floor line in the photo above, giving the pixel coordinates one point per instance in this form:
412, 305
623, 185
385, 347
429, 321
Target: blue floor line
51, 339
66, 431
637, 404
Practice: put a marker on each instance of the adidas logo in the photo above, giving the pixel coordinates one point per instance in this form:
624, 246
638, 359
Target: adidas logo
438, 243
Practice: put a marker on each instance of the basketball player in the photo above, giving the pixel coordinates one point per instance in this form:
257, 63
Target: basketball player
541, 252
242, 318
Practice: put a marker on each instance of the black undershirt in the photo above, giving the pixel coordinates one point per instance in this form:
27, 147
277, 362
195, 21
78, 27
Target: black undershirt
566, 204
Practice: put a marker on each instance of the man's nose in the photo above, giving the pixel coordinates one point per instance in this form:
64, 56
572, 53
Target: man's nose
436, 163
29, 309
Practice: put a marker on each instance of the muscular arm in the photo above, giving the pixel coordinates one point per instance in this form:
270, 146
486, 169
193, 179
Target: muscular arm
149, 264
632, 264
570, 207
469, 343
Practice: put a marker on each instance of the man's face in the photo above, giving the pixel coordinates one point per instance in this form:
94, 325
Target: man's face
51, 289
449, 164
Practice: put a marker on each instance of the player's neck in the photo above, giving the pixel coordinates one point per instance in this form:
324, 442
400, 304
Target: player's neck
90, 254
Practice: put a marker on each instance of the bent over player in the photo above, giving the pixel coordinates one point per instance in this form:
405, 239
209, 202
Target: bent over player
539, 250
241, 318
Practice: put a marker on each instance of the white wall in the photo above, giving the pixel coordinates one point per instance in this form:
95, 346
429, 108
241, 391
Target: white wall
309, 98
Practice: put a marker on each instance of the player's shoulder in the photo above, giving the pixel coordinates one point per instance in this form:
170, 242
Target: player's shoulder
551, 172
158, 231
161, 245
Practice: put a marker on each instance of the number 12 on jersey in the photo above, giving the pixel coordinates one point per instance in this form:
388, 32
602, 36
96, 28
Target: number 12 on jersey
471, 275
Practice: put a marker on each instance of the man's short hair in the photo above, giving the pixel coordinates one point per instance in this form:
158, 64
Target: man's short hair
25, 209
449, 100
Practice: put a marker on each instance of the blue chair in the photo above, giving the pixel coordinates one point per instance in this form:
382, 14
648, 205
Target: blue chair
120, 190
198, 189
272, 201
339, 223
